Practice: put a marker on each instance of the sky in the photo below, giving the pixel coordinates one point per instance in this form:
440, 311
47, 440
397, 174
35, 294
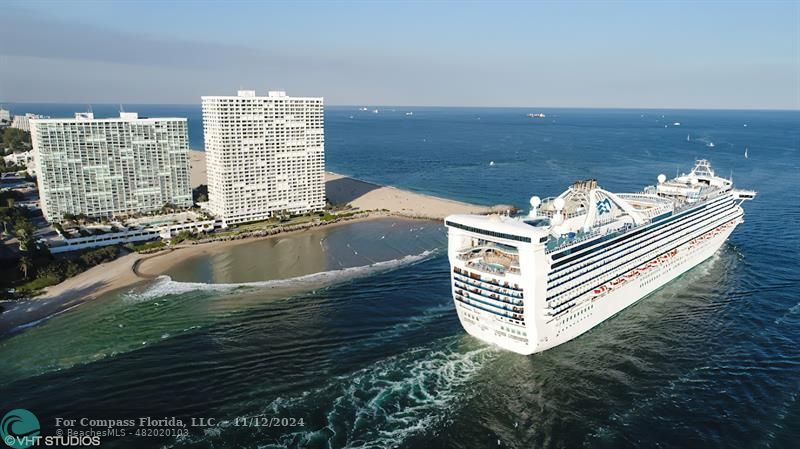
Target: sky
621, 54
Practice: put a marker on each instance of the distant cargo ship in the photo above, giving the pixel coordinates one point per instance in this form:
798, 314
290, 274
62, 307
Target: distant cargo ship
528, 284
539, 115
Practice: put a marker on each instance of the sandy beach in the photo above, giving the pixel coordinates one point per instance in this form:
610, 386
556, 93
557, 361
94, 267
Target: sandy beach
363, 195
90, 284
120, 273
197, 173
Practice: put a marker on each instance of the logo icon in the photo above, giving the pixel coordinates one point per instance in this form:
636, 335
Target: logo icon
19, 428
603, 206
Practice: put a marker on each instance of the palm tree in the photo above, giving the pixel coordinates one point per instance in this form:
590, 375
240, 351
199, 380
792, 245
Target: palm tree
5, 217
25, 264
24, 235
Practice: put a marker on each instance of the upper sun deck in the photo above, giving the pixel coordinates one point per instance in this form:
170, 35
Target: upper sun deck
585, 211
512, 230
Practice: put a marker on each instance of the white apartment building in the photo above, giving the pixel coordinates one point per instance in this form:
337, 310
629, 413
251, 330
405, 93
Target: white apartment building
108, 167
5, 116
264, 155
23, 121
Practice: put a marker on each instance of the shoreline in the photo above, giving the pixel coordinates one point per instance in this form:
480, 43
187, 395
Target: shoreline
126, 272
152, 267
373, 201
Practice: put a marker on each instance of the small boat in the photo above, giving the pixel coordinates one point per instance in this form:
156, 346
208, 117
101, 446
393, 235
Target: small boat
491, 164
537, 115
375, 111
409, 113
710, 144
745, 153
362, 109
688, 138
676, 124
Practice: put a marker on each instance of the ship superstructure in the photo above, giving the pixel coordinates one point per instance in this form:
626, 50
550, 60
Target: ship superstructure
530, 283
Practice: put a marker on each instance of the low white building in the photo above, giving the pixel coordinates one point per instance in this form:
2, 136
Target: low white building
5, 116
22, 159
138, 230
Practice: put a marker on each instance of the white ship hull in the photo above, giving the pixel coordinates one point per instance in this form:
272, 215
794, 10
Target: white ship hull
609, 305
514, 291
595, 309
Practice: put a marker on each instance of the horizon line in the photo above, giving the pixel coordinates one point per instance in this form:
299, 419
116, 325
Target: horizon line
356, 105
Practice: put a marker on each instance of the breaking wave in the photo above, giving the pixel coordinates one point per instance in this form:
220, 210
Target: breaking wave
164, 285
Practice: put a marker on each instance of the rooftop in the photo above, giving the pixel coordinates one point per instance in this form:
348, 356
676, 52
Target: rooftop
251, 94
89, 117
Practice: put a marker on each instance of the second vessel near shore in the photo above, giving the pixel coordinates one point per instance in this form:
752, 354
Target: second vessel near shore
529, 284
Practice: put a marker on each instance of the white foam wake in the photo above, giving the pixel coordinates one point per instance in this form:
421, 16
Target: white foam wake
164, 285
391, 400
380, 405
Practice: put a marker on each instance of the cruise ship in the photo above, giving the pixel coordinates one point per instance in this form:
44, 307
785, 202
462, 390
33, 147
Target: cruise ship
529, 283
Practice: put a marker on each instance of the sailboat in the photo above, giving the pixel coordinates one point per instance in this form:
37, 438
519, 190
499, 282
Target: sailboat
687, 138
745, 153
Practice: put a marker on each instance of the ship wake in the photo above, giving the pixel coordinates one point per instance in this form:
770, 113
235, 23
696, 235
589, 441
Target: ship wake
381, 405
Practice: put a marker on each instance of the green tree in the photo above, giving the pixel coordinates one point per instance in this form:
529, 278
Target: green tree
16, 139
200, 194
25, 265
5, 218
24, 230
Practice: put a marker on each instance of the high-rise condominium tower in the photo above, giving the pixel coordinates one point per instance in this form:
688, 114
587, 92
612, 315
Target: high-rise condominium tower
109, 167
265, 155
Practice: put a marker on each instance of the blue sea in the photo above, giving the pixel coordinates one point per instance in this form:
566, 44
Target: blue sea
362, 343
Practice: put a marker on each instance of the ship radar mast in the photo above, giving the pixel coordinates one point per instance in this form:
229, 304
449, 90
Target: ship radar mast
535, 203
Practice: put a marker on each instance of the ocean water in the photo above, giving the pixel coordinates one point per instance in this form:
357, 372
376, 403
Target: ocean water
369, 353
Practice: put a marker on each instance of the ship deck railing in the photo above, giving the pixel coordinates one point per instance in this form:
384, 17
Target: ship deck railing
490, 246
486, 268
517, 295
516, 302
551, 214
566, 241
